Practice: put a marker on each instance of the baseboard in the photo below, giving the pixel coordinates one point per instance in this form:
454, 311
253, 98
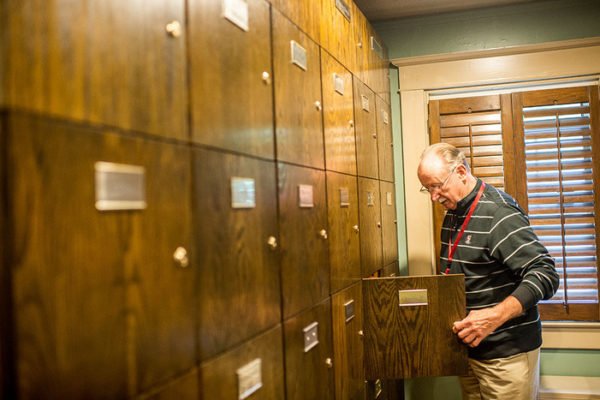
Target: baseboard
569, 388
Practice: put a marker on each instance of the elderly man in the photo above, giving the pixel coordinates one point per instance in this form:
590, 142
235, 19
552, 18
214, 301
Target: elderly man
486, 236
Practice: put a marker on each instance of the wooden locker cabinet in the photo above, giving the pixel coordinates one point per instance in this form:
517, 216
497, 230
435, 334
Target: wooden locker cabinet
365, 125
389, 227
220, 376
89, 318
183, 387
385, 140
67, 62
408, 326
298, 102
338, 32
238, 285
362, 49
303, 13
304, 238
344, 241
231, 107
309, 363
371, 249
338, 116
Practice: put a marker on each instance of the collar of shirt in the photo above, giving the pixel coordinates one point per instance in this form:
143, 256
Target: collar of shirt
463, 205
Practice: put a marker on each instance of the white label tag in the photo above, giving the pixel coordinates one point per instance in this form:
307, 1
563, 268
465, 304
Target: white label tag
370, 199
243, 193
344, 197
120, 186
249, 379
365, 103
236, 11
305, 196
338, 83
389, 198
299, 56
386, 119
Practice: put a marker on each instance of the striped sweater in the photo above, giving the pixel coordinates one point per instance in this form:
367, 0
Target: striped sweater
500, 255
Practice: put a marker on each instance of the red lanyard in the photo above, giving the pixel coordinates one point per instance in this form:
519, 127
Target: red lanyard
463, 227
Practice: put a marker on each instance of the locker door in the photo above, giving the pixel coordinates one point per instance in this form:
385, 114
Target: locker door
363, 49
5, 312
389, 233
116, 65
347, 343
235, 230
230, 77
337, 31
408, 326
304, 13
298, 103
309, 355
371, 256
365, 122
344, 243
304, 238
254, 368
385, 140
338, 116
184, 387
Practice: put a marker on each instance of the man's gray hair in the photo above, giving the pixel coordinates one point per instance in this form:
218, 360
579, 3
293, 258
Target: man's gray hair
448, 153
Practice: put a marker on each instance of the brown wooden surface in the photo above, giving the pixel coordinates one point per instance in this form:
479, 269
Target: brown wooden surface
338, 117
338, 34
303, 13
348, 345
298, 120
594, 99
508, 145
362, 48
87, 284
344, 242
108, 62
438, 210
413, 341
468, 104
385, 389
365, 123
6, 369
371, 249
218, 378
307, 376
183, 387
385, 140
231, 106
550, 96
391, 270
389, 226
304, 252
238, 285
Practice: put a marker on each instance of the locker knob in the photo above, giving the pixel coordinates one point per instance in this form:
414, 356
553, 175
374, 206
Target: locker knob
395, 221
359, 44
361, 333
318, 105
173, 28
351, 123
323, 233
355, 227
271, 241
329, 362
266, 77
391, 144
379, 224
374, 136
181, 258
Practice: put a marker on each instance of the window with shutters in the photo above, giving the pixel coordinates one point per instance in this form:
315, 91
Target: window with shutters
543, 148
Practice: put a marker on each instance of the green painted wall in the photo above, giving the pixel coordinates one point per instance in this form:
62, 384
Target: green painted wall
533, 23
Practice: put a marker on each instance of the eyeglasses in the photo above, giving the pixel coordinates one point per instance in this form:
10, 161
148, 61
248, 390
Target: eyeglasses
437, 186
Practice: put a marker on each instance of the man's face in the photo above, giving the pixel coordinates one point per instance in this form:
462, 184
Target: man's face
442, 184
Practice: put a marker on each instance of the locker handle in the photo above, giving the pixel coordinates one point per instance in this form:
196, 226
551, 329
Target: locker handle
266, 77
173, 28
351, 123
272, 242
355, 227
374, 136
361, 333
379, 224
181, 258
318, 105
323, 233
329, 362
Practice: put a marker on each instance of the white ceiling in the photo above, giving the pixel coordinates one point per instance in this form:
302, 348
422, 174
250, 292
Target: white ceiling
378, 10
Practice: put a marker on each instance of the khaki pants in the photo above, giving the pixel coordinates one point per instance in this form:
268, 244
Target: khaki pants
512, 378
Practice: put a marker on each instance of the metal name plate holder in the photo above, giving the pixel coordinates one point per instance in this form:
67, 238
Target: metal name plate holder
388, 196
299, 56
305, 196
249, 378
344, 197
412, 297
349, 310
120, 186
370, 199
236, 11
386, 118
338, 83
311, 336
243, 192
365, 103
343, 8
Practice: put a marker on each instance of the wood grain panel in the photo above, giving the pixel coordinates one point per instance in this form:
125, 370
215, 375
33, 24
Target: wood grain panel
184, 387
298, 103
6, 342
413, 341
232, 107
304, 251
363, 59
238, 285
391, 270
338, 117
95, 61
469, 104
338, 34
344, 243
365, 123
88, 317
347, 344
371, 251
385, 140
550, 96
218, 377
304, 13
307, 375
389, 227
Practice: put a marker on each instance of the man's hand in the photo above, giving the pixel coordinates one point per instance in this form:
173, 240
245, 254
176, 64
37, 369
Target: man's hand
480, 323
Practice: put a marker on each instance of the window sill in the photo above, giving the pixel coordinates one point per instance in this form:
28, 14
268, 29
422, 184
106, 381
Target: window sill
571, 335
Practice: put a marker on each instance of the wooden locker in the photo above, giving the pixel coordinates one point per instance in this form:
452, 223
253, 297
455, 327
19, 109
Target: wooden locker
309, 362
184, 387
371, 255
362, 49
298, 103
108, 62
89, 318
240, 370
385, 141
303, 13
230, 78
338, 36
408, 326
378, 65
365, 125
235, 230
6, 369
389, 226
344, 242
338, 116
346, 309
304, 238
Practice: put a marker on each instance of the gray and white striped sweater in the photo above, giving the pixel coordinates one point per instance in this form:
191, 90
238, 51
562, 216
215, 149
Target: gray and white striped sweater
500, 255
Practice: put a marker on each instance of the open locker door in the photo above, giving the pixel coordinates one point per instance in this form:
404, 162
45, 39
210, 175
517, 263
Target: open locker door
408, 326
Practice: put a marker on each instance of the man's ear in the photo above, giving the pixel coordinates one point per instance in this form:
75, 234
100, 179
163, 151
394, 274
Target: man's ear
461, 171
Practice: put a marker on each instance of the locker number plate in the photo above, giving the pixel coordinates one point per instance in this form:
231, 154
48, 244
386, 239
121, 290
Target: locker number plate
299, 56
412, 297
243, 193
236, 11
386, 117
249, 379
349, 310
120, 186
388, 196
342, 7
365, 103
305, 196
311, 336
344, 197
370, 199
338, 83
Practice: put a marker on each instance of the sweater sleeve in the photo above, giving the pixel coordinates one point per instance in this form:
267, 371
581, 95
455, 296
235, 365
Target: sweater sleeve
513, 242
